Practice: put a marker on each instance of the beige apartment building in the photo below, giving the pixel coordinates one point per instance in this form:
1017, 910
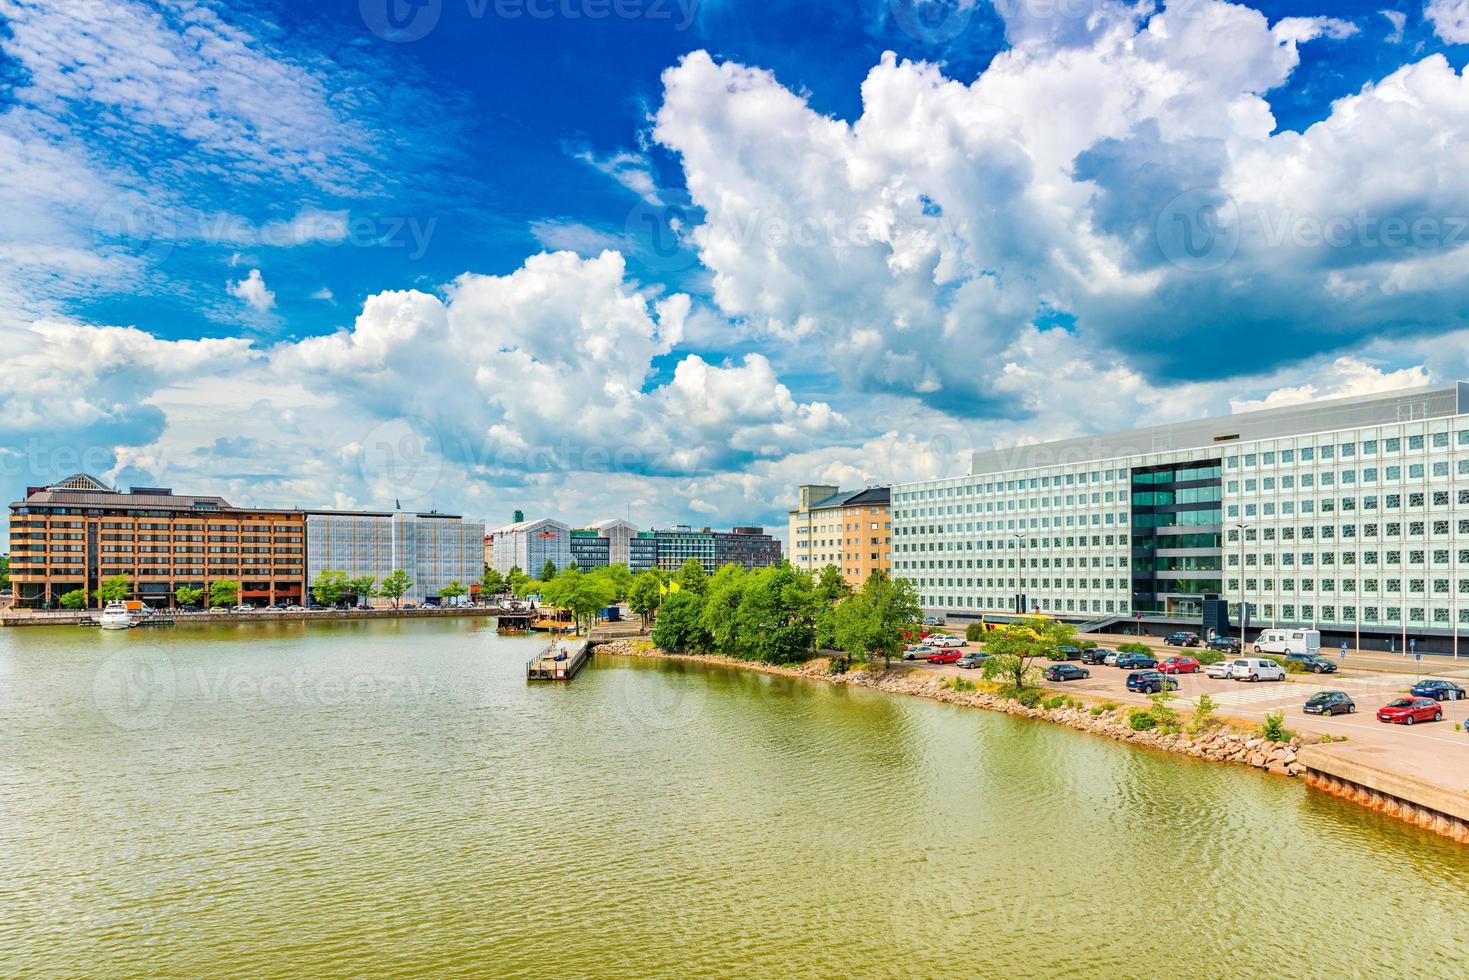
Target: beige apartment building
851, 529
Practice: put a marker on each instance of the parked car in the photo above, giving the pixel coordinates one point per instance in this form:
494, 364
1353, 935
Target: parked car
944, 657
1182, 638
1438, 690
1111, 658
1136, 661
1222, 671
1150, 681
1256, 669
1065, 672
1406, 711
1329, 703
1312, 662
314, 606
917, 651
244, 608
274, 608
1069, 653
1096, 656
1224, 644
189, 609
971, 660
933, 621
293, 607
1179, 665
946, 642
219, 609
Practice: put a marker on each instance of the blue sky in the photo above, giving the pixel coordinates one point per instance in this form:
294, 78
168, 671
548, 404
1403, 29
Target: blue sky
581, 256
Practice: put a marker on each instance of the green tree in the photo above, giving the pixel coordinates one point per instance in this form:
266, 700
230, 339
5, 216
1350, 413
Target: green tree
187, 596
831, 586
621, 579
491, 582
721, 618
224, 592
396, 586
645, 595
114, 588
584, 595
679, 627
1014, 648
522, 585
453, 589
329, 587
885, 609
4, 572
548, 570
75, 599
362, 587
778, 616
691, 577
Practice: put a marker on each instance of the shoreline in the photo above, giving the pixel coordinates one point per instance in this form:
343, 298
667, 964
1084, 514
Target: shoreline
83, 617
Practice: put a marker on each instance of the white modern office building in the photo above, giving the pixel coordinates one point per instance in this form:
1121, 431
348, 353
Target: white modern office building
528, 545
619, 534
1348, 514
435, 549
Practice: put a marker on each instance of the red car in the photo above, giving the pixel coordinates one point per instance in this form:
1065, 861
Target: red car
1405, 711
1179, 665
952, 657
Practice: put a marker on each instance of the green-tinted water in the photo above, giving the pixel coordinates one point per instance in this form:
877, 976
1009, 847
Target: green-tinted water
391, 798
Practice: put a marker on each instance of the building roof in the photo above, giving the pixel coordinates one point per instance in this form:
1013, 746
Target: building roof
1386, 408
324, 512
611, 522
520, 526
872, 495
65, 494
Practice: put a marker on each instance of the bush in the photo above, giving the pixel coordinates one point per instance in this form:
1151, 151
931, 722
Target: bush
1141, 721
1207, 657
1274, 728
1030, 697
1097, 710
959, 684
1132, 646
1204, 713
837, 665
1085, 644
1291, 666
1053, 702
973, 632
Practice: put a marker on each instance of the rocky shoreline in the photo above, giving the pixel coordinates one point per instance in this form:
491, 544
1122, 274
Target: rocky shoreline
1217, 744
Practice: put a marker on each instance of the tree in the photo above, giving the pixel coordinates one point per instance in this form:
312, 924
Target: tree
187, 596
621, 579
874, 620
679, 627
396, 586
1014, 648
584, 595
224, 592
721, 618
548, 570
453, 590
778, 616
4, 572
75, 599
491, 582
114, 588
363, 587
691, 577
645, 595
521, 584
329, 588
831, 586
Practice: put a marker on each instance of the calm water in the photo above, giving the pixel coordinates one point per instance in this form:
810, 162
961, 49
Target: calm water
392, 799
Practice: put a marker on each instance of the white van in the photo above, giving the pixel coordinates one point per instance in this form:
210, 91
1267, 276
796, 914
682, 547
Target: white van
1256, 669
1288, 641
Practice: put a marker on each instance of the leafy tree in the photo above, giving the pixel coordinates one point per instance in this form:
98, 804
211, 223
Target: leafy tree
453, 589
224, 592
187, 596
1204, 713
548, 570
75, 599
396, 586
691, 577
679, 627
1014, 648
4, 572
584, 595
114, 588
329, 588
621, 579
886, 613
831, 587
491, 582
645, 595
721, 619
778, 616
362, 587
522, 585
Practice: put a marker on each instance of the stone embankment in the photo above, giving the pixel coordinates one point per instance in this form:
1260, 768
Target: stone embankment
1216, 744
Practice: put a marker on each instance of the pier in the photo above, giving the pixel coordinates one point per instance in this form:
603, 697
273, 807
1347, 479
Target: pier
558, 662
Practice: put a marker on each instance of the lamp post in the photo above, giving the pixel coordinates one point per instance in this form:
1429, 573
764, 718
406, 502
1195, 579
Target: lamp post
1020, 604
1243, 605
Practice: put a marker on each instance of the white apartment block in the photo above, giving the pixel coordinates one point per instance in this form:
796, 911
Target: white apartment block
1348, 514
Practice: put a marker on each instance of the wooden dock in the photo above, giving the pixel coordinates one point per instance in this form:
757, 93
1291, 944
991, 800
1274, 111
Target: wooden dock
558, 662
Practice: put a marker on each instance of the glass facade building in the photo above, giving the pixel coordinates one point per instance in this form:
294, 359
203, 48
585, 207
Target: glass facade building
435, 549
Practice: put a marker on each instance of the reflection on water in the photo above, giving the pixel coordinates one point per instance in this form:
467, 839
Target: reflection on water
391, 797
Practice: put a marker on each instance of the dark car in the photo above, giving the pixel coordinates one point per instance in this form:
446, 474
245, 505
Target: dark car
1329, 703
1096, 656
1315, 664
972, 660
1069, 653
1065, 672
1150, 681
1181, 639
190, 609
1135, 661
1224, 644
1438, 690
314, 605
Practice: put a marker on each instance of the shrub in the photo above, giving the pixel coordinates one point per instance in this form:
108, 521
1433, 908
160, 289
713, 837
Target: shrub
1291, 666
1053, 702
1204, 713
1072, 702
837, 665
1207, 657
973, 632
1030, 697
1274, 727
1132, 646
1085, 644
960, 684
1097, 709
1141, 721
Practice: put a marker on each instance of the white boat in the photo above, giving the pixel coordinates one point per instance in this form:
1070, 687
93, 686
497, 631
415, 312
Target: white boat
116, 616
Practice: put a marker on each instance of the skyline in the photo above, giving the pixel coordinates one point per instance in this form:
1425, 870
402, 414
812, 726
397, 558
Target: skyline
363, 263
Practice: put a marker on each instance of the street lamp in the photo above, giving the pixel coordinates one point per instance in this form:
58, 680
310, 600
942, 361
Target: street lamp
1020, 603
1243, 605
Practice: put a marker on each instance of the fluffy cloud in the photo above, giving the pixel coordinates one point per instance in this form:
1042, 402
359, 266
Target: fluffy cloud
1450, 19
253, 291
